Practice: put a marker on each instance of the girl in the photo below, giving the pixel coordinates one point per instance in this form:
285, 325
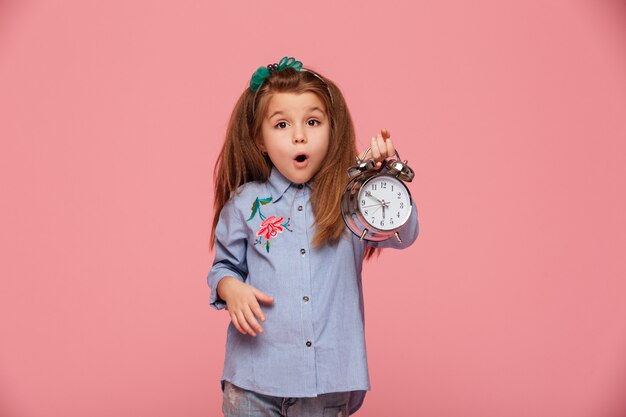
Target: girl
280, 241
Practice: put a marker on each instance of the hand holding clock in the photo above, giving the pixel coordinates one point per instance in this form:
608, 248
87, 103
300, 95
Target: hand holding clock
381, 147
375, 186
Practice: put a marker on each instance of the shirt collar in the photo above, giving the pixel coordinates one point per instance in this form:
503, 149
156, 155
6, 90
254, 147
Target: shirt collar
278, 184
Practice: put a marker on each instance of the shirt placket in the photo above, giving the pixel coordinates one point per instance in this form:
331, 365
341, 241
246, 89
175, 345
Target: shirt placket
304, 214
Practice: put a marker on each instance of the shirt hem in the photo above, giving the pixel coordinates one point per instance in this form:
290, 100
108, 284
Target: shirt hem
291, 394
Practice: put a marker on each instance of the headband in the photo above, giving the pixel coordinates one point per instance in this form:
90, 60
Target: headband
261, 74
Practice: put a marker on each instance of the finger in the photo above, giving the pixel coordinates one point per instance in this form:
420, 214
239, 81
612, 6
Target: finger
233, 319
381, 146
385, 133
261, 296
252, 321
256, 309
244, 324
390, 148
375, 150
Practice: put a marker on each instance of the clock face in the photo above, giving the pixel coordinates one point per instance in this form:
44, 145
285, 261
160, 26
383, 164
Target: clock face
384, 202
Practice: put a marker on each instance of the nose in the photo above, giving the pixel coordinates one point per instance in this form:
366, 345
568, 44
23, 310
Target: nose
299, 136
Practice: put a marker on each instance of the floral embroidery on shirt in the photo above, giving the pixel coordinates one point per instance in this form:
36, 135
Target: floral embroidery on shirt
270, 226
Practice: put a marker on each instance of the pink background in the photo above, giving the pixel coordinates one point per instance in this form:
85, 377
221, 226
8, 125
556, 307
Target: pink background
513, 115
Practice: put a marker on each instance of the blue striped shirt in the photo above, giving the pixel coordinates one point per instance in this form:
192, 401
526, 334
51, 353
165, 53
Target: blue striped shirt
313, 340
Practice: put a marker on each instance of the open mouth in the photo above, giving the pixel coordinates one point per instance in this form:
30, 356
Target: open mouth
301, 158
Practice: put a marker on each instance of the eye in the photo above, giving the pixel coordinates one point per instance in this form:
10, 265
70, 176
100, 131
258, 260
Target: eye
281, 125
313, 122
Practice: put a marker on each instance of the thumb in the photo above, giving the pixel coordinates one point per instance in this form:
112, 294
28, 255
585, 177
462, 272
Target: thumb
261, 296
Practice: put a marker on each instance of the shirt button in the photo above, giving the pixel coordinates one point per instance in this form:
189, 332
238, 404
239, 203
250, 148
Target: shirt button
306, 299
308, 343
299, 208
300, 186
302, 251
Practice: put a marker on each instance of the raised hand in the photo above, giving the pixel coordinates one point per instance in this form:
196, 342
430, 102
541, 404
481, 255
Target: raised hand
242, 303
381, 147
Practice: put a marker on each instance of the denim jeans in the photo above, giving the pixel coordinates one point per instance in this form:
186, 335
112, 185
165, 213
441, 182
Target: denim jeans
239, 402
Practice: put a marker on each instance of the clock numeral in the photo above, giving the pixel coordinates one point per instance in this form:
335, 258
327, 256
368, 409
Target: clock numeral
401, 204
398, 214
399, 195
392, 188
382, 222
383, 185
374, 187
372, 220
368, 194
366, 213
391, 221
363, 202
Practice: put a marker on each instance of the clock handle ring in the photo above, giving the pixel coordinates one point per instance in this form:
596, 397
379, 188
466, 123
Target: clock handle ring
369, 148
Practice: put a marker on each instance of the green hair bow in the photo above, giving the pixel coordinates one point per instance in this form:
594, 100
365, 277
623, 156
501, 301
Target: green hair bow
262, 73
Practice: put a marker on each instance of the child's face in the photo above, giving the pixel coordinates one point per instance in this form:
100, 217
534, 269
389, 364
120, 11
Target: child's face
295, 134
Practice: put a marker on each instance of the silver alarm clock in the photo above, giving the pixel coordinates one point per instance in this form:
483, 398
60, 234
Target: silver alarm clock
376, 202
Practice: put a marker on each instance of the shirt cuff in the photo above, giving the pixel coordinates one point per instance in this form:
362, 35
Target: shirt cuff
213, 279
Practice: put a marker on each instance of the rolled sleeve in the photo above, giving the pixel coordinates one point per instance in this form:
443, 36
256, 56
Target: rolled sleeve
230, 251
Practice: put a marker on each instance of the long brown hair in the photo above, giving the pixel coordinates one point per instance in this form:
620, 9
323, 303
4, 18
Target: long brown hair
241, 160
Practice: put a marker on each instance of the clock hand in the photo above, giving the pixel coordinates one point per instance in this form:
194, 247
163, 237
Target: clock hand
377, 199
373, 205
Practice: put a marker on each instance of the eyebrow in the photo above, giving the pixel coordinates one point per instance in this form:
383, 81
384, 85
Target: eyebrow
311, 109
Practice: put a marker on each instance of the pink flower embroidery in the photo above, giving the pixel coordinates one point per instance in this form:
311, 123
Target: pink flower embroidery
271, 227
